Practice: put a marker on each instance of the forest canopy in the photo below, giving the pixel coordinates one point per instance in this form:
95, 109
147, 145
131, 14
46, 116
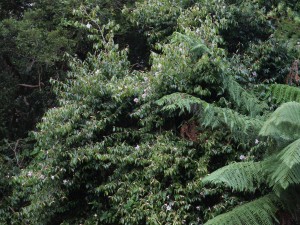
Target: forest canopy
150, 112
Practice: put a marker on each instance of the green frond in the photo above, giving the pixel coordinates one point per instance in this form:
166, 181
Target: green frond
258, 212
197, 45
180, 101
284, 93
290, 155
243, 99
243, 176
284, 123
243, 128
288, 170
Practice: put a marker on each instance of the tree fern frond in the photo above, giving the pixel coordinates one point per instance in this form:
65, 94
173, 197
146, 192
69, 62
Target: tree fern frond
290, 155
288, 171
284, 123
180, 101
243, 128
284, 93
244, 99
197, 45
243, 176
258, 212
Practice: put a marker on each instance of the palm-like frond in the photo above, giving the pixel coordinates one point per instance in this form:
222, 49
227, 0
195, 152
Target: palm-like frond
284, 93
282, 169
288, 169
243, 99
284, 123
258, 212
243, 128
197, 45
183, 102
243, 176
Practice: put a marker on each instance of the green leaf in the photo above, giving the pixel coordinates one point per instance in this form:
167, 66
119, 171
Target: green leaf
258, 212
243, 176
284, 123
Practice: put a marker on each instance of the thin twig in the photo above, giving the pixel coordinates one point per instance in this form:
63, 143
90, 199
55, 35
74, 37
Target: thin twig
15, 152
32, 86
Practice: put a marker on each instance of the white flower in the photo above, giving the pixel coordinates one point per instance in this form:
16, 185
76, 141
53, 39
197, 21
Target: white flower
256, 141
88, 26
169, 208
137, 147
144, 95
198, 207
29, 174
52, 177
136, 100
65, 182
242, 157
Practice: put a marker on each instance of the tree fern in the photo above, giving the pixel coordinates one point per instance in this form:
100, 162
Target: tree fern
185, 103
291, 154
243, 128
243, 176
258, 212
197, 45
282, 170
242, 98
284, 93
288, 170
284, 123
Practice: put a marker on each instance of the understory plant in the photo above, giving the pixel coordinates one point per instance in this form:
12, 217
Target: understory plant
126, 146
278, 173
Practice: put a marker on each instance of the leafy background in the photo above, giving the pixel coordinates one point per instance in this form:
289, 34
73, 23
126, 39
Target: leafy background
149, 112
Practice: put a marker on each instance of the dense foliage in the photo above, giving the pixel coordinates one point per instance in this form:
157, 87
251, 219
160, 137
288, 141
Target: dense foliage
150, 112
